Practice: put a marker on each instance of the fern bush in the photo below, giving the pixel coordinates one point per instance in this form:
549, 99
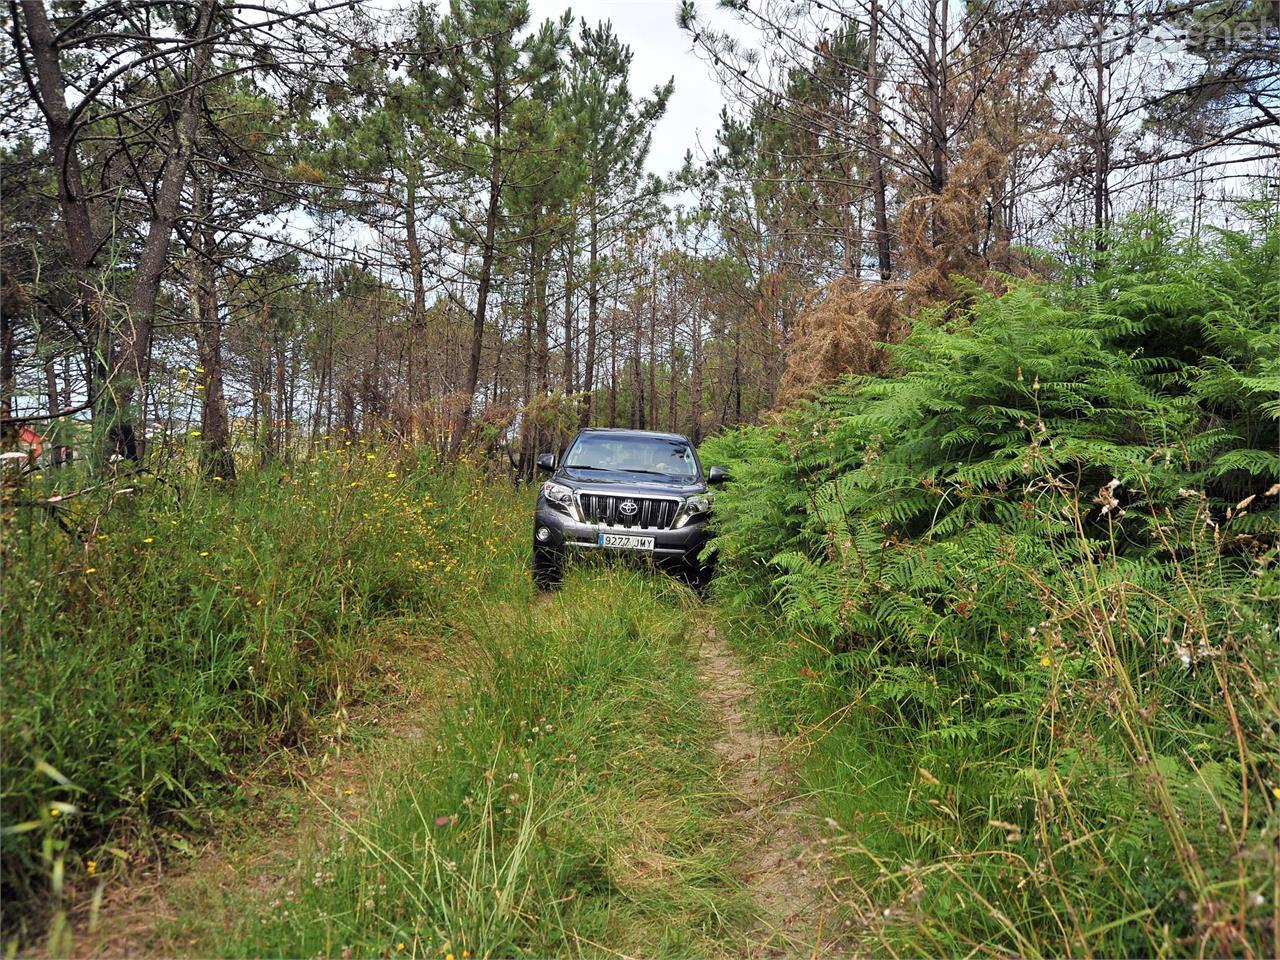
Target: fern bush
1026, 590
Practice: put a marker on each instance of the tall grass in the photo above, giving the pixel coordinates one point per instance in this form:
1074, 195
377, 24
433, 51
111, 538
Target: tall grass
560, 804
161, 640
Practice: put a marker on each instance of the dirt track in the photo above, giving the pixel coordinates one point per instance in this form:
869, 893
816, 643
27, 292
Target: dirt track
783, 867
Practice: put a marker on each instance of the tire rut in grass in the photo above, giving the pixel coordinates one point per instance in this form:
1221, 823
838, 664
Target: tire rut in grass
171, 909
782, 867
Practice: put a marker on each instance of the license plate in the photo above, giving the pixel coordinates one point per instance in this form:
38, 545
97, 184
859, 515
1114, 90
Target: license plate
625, 543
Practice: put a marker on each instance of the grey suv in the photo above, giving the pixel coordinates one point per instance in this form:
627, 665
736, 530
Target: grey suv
624, 492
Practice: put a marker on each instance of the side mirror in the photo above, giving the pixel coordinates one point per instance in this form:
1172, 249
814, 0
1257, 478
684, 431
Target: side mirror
718, 475
546, 461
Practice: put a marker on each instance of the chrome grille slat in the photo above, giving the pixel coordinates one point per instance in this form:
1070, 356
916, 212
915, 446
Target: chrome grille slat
657, 513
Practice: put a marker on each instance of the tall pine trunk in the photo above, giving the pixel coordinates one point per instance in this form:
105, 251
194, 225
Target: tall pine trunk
1101, 143
133, 351
538, 265
653, 349
418, 321
282, 399
48, 89
568, 308
215, 443
673, 393
883, 260
637, 378
613, 368
593, 309
525, 467
695, 376
486, 273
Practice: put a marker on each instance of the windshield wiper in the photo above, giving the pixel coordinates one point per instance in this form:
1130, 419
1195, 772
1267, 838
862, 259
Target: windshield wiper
652, 473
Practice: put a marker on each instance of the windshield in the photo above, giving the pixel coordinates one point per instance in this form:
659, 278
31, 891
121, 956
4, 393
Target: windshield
672, 459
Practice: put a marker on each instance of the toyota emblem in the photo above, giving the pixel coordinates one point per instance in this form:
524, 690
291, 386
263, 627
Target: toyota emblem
628, 508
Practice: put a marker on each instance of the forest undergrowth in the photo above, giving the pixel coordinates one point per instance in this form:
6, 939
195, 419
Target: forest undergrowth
169, 641
563, 804
1014, 602
1017, 602
557, 796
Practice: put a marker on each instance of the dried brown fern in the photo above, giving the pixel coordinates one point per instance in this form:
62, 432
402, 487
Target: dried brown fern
839, 331
941, 237
946, 235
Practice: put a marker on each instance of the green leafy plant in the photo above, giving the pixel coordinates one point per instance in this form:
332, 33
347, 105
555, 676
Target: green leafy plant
1037, 568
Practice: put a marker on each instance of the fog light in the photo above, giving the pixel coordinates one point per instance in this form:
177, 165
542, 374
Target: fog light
543, 534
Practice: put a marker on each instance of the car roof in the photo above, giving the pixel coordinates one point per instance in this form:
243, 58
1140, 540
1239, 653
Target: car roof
625, 432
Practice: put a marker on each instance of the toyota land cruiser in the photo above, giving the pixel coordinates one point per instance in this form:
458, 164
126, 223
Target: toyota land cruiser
624, 491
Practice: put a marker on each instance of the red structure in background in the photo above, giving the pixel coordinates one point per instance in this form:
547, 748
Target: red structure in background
32, 439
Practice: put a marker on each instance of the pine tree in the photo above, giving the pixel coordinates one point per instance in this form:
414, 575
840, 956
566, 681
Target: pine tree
487, 66
613, 133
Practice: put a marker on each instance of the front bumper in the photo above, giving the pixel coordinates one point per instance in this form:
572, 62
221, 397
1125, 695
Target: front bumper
680, 546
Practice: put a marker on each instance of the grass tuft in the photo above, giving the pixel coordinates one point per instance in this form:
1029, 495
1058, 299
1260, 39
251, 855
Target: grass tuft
161, 644
561, 804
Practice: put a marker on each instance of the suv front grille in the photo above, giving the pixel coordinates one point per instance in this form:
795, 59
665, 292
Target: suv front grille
656, 513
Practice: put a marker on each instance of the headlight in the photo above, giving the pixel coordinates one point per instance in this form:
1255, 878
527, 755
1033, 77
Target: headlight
694, 506
558, 496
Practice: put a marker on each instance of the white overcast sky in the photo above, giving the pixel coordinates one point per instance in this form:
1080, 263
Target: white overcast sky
661, 51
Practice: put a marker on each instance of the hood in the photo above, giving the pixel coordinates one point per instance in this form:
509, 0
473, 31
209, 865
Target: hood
625, 483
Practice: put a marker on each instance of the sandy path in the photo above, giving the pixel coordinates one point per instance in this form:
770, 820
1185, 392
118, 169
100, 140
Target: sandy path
782, 866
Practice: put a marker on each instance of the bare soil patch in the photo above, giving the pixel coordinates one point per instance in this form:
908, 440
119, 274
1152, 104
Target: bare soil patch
783, 867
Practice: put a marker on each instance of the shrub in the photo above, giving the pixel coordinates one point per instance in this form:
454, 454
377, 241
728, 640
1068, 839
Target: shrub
1040, 562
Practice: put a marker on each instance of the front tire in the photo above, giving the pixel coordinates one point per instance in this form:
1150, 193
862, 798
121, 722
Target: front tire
701, 575
547, 568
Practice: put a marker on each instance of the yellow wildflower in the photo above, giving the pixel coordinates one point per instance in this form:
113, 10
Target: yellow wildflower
91, 867
55, 812
148, 539
90, 569
204, 553
1046, 661
400, 947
